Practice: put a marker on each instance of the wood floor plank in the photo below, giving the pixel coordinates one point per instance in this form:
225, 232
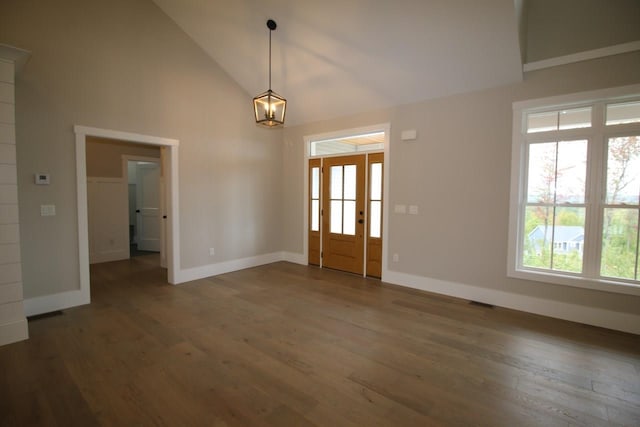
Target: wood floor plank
284, 344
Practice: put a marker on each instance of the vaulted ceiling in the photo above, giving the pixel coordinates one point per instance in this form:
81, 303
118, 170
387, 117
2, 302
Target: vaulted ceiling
333, 58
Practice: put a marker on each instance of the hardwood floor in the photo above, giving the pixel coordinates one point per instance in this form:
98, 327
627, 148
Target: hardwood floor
287, 345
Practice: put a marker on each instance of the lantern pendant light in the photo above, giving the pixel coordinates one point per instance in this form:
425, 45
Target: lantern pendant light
269, 107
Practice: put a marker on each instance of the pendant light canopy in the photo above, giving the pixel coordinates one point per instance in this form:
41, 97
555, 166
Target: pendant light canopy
269, 107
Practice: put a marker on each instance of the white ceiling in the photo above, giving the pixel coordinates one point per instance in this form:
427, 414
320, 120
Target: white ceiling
333, 58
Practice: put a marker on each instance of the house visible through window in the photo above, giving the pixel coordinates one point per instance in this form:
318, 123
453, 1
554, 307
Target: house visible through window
576, 192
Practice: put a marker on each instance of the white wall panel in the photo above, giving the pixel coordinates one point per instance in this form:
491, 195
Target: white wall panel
7, 93
7, 133
6, 71
8, 154
9, 253
7, 113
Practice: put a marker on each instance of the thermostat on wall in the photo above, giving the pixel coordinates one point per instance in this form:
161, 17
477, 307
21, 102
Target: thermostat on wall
42, 178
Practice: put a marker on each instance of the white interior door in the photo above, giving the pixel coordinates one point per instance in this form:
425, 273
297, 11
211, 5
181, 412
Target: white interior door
148, 206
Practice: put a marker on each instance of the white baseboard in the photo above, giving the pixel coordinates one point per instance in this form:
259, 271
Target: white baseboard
187, 275
14, 332
295, 258
573, 312
54, 302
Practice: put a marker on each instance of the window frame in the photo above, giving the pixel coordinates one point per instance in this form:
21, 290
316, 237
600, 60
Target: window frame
597, 136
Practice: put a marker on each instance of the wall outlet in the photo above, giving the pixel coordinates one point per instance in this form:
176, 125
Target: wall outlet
396, 257
212, 252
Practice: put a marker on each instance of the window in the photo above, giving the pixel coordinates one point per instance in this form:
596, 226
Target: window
357, 143
315, 198
343, 199
375, 200
575, 204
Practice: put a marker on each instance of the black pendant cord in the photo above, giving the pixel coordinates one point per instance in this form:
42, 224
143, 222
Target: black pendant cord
270, 31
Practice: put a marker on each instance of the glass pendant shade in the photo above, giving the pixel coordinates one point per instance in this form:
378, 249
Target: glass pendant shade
269, 109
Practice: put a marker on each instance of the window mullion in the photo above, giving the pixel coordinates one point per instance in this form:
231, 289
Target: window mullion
595, 194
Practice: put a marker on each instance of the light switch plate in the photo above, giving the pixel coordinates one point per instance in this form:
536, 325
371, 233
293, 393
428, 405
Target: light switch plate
47, 210
413, 210
400, 209
409, 135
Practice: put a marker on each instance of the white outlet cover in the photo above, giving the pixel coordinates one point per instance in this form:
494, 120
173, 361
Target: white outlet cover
413, 210
400, 209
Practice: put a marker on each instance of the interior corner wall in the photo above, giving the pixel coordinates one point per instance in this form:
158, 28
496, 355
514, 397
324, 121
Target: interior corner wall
124, 65
458, 173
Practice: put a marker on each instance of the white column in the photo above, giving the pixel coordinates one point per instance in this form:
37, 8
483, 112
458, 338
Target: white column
13, 323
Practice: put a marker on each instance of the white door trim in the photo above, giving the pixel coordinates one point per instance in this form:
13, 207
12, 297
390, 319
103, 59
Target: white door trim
173, 226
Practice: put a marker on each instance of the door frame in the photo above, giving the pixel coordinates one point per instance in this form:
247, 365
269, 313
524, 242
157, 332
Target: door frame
170, 147
386, 127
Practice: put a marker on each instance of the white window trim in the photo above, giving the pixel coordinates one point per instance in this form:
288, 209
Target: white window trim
518, 167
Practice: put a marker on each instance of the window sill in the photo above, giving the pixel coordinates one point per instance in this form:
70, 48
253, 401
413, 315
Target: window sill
576, 282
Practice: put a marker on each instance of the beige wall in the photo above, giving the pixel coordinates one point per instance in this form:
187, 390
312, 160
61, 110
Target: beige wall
562, 27
458, 173
124, 65
104, 156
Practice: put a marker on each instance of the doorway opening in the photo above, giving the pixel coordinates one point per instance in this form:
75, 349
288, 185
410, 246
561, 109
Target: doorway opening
345, 212
167, 193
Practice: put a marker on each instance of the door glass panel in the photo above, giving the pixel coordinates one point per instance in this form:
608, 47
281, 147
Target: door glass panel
315, 183
375, 219
350, 182
336, 216
375, 181
336, 182
315, 215
349, 218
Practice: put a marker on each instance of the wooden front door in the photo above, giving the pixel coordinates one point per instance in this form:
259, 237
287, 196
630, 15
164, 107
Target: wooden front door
343, 207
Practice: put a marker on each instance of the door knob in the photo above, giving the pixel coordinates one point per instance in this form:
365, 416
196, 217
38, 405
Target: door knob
361, 221
137, 210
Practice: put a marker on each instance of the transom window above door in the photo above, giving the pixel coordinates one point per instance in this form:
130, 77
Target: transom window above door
359, 143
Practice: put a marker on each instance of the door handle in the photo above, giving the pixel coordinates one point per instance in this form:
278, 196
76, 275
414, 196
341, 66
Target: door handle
137, 210
361, 221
